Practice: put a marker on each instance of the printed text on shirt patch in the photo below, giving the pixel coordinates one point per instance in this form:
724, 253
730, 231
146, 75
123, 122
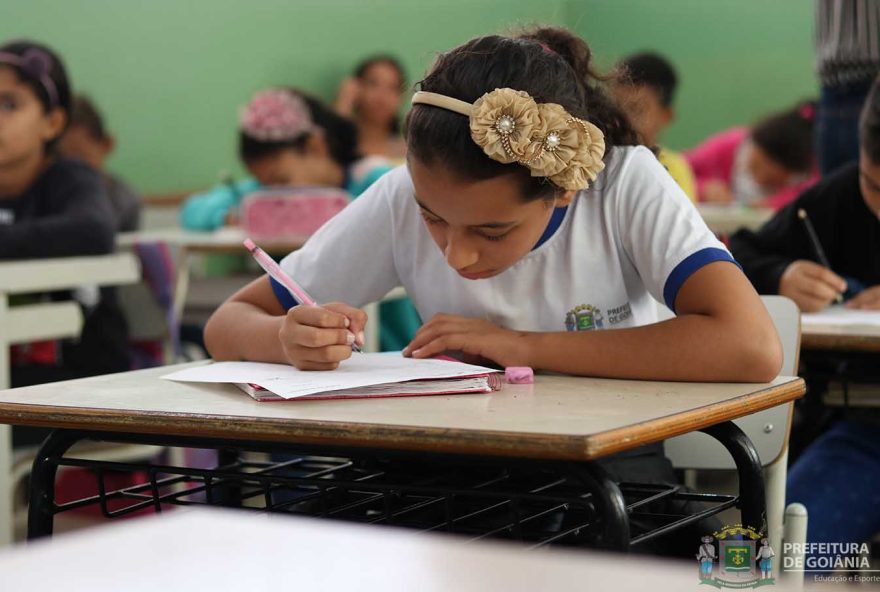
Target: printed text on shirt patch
586, 317
619, 314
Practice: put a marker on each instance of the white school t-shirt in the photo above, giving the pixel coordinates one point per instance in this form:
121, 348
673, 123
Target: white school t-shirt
633, 235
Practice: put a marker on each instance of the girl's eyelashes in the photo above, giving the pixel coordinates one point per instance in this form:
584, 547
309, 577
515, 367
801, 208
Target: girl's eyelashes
496, 237
434, 221
431, 219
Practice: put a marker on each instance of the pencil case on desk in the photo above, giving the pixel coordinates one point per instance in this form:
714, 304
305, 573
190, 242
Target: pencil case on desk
287, 213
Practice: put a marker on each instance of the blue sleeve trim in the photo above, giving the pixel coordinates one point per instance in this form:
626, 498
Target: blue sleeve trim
686, 269
284, 297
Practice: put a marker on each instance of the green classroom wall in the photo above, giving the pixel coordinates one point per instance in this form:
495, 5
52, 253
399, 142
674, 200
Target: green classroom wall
171, 74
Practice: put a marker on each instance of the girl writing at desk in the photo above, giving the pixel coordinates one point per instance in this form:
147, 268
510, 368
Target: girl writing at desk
525, 197
502, 222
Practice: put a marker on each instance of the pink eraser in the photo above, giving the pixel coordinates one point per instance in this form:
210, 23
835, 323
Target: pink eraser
519, 375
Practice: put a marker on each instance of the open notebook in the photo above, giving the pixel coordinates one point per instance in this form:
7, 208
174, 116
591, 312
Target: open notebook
361, 376
410, 388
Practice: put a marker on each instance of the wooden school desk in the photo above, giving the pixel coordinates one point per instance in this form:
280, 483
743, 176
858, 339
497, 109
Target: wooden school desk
561, 423
841, 338
203, 549
840, 342
727, 219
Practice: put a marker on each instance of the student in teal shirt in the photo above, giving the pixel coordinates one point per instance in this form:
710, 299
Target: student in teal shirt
288, 138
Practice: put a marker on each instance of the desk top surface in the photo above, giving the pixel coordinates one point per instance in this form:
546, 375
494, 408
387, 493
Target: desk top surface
559, 417
853, 338
24, 276
224, 240
725, 219
200, 549
841, 329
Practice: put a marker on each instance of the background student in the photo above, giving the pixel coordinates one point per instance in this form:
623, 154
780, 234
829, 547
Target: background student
88, 139
372, 98
286, 139
843, 209
768, 164
52, 207
645, 88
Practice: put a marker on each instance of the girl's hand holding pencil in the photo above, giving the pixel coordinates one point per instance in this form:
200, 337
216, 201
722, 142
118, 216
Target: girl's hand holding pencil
319, 337
313, 337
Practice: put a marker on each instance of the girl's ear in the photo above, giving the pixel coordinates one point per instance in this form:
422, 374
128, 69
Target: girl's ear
564, 198
53, 124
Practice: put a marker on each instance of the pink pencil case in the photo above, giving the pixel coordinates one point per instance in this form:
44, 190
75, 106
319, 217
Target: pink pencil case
287, 213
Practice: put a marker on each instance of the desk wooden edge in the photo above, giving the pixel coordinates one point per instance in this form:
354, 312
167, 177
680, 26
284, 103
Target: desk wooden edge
840, 342
622, 439
166, 200
410, 438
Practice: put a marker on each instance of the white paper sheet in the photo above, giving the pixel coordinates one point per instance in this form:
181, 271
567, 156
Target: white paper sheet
359, 370
839, 315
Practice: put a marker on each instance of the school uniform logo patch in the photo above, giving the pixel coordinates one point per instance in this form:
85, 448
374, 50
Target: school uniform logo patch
584, 317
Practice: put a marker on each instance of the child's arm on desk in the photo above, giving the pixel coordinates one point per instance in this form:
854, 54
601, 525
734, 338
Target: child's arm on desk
252, 325
723, 333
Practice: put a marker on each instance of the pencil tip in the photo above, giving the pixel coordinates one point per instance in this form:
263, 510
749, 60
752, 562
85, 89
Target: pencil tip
802, 213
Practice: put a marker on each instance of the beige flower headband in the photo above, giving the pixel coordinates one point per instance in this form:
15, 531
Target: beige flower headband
511, 127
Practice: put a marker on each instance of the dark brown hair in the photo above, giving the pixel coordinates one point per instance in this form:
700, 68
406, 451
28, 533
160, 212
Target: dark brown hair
787, 137
87, 116
550, 64
652, 70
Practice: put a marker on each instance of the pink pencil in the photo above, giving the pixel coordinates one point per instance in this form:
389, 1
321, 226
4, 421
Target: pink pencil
276, 273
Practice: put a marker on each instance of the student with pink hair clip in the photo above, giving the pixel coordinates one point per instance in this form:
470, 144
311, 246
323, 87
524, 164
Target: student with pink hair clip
768, 164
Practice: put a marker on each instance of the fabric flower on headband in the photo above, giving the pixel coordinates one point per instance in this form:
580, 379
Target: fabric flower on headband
275, 115
568, 151
511, 127
503, 122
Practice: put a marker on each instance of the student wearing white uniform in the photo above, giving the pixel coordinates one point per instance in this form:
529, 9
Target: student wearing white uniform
601, 259
480, 265
529, 229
